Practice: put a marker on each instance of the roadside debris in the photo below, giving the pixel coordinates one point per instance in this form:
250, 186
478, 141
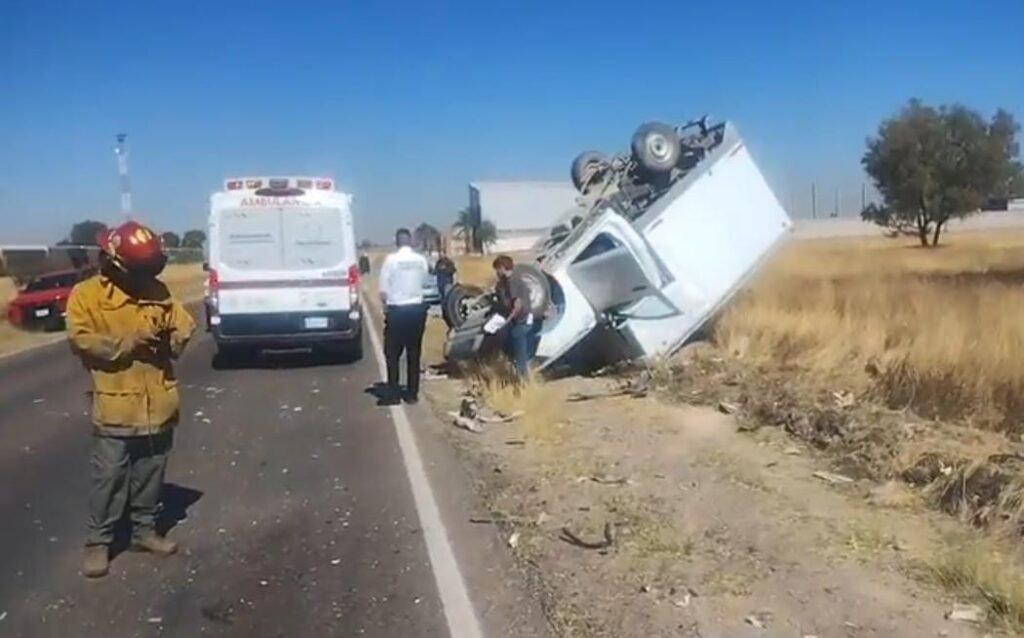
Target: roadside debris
833, 478
760, 619
844, 399
609, 538
728, 408
966, 613
466, 423
155, 620
636, 388
470, 415
604, 479
513, 540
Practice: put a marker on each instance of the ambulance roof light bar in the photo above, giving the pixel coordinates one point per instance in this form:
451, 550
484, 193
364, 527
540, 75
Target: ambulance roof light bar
278, 183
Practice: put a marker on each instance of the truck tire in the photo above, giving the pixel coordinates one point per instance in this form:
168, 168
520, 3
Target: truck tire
540, 287
452, 304
656, 148
584, 166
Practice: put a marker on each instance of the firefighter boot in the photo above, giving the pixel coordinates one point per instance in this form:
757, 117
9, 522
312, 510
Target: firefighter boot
96, 563
155, 544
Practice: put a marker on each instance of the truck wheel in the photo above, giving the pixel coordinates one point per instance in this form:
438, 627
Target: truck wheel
656, 148
539, 286
453, 305
584, 166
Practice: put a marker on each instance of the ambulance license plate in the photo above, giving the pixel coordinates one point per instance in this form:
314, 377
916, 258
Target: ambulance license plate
316, 323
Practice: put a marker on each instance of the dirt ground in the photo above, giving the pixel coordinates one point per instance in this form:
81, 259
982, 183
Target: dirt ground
715, 532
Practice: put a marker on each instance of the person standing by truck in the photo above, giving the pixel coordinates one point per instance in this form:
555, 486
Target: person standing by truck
402, 277
514, 304
445, 270
127, 330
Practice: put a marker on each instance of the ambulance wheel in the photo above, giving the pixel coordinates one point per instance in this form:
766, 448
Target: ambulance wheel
348, 351
453, 306
231, 356
540, 288
656, 148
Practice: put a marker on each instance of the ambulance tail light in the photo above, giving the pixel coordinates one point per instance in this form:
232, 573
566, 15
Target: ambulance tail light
213, 288
353, 285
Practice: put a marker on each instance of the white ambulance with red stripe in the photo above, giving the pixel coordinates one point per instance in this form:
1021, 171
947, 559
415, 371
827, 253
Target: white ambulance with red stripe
283, 270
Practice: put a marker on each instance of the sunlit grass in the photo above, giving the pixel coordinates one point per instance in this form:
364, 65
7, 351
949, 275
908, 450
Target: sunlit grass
939, 330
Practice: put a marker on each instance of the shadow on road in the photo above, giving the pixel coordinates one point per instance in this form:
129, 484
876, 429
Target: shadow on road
175, 499
289, 360
379, 391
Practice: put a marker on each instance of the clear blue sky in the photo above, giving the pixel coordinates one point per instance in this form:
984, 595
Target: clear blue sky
406, 102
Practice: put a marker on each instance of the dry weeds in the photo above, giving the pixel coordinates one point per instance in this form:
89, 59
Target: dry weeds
986, 572
935, 330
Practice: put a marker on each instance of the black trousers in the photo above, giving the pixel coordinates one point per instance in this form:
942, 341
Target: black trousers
403, 332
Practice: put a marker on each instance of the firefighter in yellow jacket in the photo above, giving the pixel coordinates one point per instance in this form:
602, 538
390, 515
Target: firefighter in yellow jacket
128, 330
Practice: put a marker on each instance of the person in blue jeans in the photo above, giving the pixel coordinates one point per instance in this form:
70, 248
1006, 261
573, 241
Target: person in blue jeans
514, 304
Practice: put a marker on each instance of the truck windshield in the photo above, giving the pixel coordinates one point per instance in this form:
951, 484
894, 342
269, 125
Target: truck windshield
282, 239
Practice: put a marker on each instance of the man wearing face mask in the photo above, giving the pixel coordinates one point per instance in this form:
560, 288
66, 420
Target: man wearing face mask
128, 330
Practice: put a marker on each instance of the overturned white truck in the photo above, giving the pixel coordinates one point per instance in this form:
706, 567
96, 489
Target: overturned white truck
665, 236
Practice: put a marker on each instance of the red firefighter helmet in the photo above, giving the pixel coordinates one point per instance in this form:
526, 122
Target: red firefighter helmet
133, 247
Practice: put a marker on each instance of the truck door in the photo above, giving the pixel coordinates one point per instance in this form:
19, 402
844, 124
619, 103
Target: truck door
604, 267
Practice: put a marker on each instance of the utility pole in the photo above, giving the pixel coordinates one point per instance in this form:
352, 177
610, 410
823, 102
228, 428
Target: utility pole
835, 209
863, 198
814, 201
121, 150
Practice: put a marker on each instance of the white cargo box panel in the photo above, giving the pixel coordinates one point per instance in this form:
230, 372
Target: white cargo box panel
711, 232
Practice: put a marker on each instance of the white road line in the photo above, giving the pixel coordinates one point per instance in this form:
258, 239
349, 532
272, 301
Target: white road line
458, 609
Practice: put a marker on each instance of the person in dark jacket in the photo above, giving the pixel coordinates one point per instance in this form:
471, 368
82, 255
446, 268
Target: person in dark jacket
445, 270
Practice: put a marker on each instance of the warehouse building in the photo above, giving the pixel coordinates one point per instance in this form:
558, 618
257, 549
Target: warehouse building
522, 212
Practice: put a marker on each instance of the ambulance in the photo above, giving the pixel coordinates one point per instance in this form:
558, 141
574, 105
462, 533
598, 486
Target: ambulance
282, 268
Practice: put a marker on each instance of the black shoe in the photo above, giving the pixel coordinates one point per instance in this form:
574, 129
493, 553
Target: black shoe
411, 399
387, 396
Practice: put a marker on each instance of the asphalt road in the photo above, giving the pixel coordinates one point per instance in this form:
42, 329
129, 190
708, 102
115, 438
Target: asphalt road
287, 489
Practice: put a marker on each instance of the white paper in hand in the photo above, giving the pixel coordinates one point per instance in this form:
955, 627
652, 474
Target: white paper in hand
494, 324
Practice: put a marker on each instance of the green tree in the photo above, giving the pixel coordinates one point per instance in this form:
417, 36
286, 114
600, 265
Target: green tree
85, 233
932, 165
170, 240
194, 239
486, 234
426, 237
465, 226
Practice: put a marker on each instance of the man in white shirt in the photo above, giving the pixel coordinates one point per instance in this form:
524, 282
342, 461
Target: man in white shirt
405, 315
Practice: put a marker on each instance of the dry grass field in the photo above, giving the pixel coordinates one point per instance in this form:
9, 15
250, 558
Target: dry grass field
937, 330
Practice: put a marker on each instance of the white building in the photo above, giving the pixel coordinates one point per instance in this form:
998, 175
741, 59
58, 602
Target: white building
1015, 205
522, 212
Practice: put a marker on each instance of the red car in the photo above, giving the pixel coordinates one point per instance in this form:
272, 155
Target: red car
43, 301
